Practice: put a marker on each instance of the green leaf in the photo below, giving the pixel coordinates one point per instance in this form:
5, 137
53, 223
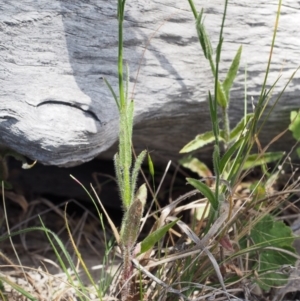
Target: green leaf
270, 233
18, 288
203, 37
240, 127
120, 180
112, 92
135, 171
151, 166
221, 96
195, 165
294, 127
231, 74
216, 160
132, 218
199, 141
206, 191
229, 153
258, 160
156, 236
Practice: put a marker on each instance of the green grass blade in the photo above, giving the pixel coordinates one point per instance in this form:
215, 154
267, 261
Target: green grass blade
18, 288
112, 92
240, 127
155, 236
226, 158
206, 191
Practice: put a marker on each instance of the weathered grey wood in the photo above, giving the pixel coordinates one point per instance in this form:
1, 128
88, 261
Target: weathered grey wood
55, 108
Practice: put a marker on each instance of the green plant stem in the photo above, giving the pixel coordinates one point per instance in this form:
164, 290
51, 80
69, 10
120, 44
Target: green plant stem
121, 5
193, 8
212, 65
218, 55
127, 272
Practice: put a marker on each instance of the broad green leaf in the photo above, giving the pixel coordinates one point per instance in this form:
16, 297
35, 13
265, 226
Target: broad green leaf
231, 74
132, 218
257, 160
221, 96
294, 127
270, 233
206, 191
195, 165
156, 236
199, 141
240, 127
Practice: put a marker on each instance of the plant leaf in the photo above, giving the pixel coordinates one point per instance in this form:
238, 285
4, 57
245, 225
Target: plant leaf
270, 233
203, 37
257, 160
195, 165
151, 166
231, 74
294, 127
205, 190
221, 96
240, 127
199, 141
229, 153
112, 92
135, 171
132, 218
216, 160
155, 236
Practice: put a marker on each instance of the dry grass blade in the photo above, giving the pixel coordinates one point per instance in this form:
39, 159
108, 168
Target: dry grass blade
112, 225
202, 245
159, 282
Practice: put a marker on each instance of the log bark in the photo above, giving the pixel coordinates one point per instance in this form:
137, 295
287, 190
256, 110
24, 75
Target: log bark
55, 107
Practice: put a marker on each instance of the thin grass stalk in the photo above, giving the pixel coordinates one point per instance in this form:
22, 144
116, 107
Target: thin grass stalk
193, 8
218, 56
263, 89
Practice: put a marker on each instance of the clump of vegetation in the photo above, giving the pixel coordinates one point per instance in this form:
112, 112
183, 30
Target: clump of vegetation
233, 246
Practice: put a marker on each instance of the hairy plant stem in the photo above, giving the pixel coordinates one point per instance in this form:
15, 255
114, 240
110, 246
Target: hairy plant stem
126, 273
226, 126
121, 6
